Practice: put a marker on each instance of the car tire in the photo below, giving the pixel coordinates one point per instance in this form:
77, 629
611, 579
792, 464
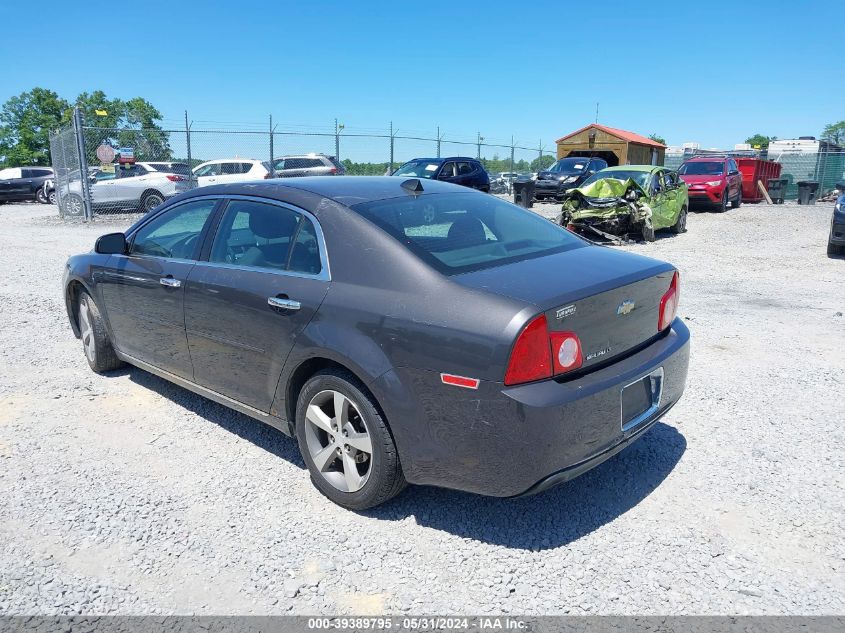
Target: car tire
40, 197
648, 232
52, 198
735, 204
339, 473
723, 205
73, 205
151, 200
95, 339
680, 225
833, 250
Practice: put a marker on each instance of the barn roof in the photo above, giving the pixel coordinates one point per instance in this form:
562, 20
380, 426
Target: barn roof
622, 134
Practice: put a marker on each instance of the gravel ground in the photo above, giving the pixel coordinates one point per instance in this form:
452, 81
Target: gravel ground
126, 494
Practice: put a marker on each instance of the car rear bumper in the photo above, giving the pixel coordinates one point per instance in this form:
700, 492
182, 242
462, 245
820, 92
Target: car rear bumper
508, 441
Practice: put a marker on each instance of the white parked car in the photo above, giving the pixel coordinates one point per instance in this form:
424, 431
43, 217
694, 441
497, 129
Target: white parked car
138, 187
221, 171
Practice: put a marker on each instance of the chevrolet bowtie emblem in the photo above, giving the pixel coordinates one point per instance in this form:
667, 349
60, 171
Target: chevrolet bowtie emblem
626, 307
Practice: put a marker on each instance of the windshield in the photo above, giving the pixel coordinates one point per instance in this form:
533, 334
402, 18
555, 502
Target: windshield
460, 232
569, 165
639, 177
418, 169
702, 168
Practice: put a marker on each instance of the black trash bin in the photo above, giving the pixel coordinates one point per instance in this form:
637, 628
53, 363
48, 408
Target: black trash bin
523, 192
807, 191
777, 189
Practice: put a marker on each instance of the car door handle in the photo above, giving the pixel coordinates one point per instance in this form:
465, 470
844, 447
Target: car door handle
284, 303
170, 282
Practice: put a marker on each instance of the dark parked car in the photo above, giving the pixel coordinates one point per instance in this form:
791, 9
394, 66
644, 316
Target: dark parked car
836, 241
401, 330
23, 183
458, 170
565, 174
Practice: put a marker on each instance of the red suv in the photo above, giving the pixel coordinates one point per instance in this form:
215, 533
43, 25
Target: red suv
713, 180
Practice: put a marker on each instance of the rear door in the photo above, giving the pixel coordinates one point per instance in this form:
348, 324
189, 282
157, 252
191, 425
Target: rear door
11, 183
265, 276
143, 291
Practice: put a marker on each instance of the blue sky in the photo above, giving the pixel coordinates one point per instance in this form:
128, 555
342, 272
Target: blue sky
690, 71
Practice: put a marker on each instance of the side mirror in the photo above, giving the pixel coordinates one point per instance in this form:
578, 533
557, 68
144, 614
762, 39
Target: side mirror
111, 244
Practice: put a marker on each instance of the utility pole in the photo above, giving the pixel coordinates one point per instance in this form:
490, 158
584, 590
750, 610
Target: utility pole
480, 140
597, 111
512, 148
337, 130
272, 160
191, 180
392, 136
438, 141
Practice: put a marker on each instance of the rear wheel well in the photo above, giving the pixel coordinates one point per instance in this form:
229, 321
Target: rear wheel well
305, 371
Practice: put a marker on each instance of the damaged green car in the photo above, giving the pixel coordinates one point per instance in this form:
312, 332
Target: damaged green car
632, 200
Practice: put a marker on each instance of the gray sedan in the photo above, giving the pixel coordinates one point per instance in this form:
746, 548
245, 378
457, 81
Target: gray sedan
400, 330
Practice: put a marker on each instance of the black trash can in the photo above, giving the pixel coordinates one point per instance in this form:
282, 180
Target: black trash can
523, 193
777, 189
807, 190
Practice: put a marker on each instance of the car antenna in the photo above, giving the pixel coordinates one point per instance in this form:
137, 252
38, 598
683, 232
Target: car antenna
413, 185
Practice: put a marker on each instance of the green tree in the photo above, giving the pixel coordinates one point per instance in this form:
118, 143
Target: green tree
834, 132
25, 124
542, 162
657, 139
761, 141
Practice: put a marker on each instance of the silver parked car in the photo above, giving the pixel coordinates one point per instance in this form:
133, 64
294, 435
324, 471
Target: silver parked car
308, 165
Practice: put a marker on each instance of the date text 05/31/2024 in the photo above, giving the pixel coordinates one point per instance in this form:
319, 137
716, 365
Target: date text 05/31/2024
416, 624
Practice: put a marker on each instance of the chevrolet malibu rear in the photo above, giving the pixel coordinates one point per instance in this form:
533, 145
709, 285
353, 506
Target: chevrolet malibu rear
414, 332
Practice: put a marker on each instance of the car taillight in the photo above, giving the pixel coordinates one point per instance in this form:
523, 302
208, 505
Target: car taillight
669, 304
539, 354
175, 178
333, 170
531, 356
268, 176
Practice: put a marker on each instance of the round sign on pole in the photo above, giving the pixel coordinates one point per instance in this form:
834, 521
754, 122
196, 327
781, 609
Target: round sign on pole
105, 153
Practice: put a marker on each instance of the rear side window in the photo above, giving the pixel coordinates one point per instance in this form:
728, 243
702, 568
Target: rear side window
257, 234
460, 232
464, 169
175, 233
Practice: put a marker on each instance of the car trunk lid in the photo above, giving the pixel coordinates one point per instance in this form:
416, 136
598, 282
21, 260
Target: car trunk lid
609, 299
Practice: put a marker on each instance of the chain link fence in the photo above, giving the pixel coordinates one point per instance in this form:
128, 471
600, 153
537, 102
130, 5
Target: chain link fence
136, 169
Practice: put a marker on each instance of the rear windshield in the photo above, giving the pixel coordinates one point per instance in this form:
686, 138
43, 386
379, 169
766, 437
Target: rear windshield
703, 168
569, 165
639, 177
418, 168
461, 232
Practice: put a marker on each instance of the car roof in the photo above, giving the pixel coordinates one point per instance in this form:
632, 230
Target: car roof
635, 168
707, 159
444, 159
346, 190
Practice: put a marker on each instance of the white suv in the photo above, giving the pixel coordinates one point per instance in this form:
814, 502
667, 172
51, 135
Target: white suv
135, 187
218, 172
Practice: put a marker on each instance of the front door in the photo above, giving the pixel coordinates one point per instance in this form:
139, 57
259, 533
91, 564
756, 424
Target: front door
661, 202
245, 306
143, 291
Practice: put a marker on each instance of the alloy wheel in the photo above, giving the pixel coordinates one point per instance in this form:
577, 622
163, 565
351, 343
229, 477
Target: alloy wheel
338, 440
87, 332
